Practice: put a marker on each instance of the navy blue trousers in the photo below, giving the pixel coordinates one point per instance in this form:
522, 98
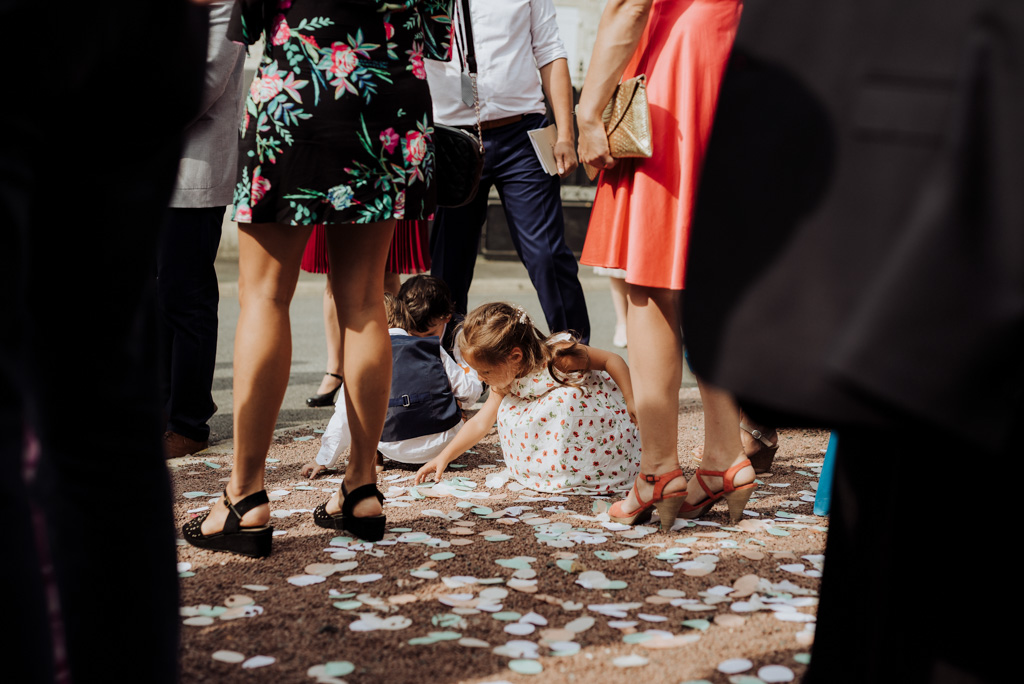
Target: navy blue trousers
188, 297
533, 209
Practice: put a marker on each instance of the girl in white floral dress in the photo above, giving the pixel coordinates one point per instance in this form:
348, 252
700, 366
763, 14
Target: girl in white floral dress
564, 410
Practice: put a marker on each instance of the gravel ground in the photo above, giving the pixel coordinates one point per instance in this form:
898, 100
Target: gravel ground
512, 586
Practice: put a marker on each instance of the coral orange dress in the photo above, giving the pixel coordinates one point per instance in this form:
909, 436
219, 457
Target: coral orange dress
641, 216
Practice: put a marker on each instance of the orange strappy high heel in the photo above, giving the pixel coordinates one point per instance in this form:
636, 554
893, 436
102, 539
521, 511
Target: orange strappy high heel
736, 497
667, 504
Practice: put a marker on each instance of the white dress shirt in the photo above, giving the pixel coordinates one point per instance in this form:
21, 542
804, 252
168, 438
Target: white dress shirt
466, 387
513, 39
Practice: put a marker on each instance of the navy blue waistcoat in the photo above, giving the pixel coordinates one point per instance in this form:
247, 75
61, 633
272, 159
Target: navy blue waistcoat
422, 402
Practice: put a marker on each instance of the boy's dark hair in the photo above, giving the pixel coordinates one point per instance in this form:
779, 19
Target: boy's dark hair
395, 312
427, 299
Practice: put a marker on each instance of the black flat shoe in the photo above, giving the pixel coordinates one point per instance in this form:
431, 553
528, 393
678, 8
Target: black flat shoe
245, 541
325, 399
370, 529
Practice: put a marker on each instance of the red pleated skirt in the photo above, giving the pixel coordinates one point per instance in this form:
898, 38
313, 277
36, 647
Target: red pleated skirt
409, 253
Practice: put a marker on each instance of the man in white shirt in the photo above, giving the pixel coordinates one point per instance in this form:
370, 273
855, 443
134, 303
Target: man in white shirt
520, 58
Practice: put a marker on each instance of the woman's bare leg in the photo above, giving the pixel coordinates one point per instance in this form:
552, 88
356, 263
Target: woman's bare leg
269, 255
656, 367
332, 332
722, 446
620, 302
392, 283
358, 255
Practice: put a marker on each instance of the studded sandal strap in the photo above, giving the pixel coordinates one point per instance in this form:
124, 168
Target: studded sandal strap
358, 494
757, 434
238, 510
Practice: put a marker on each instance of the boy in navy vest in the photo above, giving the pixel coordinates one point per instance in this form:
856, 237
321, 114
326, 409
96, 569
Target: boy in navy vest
427, 387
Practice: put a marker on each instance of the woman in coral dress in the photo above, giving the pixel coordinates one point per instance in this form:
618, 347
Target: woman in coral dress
640, 223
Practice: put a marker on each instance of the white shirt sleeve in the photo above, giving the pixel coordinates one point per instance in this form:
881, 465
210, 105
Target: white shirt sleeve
337, 437
466, 385
547, 44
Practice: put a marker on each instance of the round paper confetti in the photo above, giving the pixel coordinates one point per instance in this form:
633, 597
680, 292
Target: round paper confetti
519, 628
734, 665
232, 657
630, 661
525, 667
259, 661
339, 668
775, 673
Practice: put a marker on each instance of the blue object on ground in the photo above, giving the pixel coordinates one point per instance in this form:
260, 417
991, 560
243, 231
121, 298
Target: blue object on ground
823, 498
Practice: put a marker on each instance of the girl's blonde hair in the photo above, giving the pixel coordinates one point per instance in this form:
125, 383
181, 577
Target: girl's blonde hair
397, 314
491, 331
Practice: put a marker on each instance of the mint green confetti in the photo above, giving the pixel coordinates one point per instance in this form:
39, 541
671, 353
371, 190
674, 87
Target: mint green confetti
615, 585
607, 555
339, 668
702, 625
348, 605
195, 495
415, 493
444, 555
637, 638
803, 658
446, 620
303, 439
697, 681
751, 540
525, 667
273, 460
212, 611
211, 464
465, 504
400, 529
341, 541
319, 431
506, 616
456, 465
187, 573
479, 510
744, 679
687, 540
492, 580
513, 563
564, 564
497, 538
777, 531
306, 488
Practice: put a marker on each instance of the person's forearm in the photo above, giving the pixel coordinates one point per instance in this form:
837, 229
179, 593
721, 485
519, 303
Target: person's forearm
554, 79
622, 25
616, 367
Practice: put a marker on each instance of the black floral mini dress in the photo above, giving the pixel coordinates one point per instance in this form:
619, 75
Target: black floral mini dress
337, 125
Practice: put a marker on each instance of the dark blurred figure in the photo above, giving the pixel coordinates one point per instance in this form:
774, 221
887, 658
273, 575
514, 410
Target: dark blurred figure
187, 289
91, 143
857, 262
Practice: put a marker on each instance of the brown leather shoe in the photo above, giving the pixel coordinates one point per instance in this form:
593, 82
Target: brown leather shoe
176, 446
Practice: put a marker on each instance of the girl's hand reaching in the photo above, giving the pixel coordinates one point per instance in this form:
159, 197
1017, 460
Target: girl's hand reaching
436, 465
312, 469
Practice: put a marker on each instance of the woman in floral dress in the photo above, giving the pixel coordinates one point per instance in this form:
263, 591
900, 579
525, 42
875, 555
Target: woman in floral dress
337, 129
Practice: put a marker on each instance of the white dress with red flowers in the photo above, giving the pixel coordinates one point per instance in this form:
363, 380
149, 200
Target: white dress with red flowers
569, 440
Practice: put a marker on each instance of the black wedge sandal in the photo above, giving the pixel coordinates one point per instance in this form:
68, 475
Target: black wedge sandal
370, 529
245, 541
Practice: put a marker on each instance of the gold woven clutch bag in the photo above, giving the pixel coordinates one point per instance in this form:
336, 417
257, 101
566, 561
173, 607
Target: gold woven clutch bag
627, 121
